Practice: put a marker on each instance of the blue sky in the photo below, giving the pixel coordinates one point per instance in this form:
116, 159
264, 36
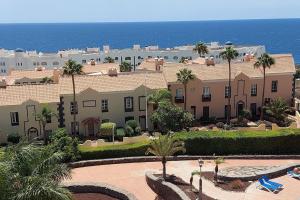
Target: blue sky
23, 11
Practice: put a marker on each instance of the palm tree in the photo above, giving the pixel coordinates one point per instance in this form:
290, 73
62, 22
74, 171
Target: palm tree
159, 96
47, 80
229, 54
201, 49
33, 173
165, 145
183, 60
108, 60
278, 109
264, 61
217, 161
184, 76
125, 67
43, 117
71, 68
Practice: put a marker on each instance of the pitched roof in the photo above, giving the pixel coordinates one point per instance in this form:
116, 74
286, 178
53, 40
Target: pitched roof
284, 63
106, 83
31, 74
17, 94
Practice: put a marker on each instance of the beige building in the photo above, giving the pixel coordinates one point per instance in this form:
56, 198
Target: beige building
118, 97
100, 98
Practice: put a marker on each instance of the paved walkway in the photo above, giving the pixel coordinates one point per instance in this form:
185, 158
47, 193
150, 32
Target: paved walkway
131, 177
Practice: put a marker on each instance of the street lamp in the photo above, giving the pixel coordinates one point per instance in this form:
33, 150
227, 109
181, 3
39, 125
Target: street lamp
201, 162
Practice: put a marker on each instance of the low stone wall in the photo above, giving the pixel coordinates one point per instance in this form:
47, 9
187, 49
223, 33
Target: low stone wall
261, 127
273, 172
166, 190
292, 126
86, 163
100, 188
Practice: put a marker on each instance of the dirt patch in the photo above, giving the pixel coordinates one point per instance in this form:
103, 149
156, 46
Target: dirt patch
191, 192
92, 196
235, 185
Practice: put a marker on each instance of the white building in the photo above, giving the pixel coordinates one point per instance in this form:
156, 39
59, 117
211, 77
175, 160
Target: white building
20, 59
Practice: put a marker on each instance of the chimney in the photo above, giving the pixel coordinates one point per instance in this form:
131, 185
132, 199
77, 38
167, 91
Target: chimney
247, 58
113, 72
93, 63
56, 75
39, 68
210, 61
159, 62
3, 83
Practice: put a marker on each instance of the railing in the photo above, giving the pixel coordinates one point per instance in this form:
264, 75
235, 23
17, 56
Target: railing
206, 98
179, 99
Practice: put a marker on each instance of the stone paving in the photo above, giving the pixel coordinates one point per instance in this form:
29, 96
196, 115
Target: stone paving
131, 177
245, 171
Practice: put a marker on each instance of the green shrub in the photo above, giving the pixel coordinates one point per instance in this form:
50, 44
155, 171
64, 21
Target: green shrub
138, 130
129, 131
132, 123
107, 129
62, 142
13, 138
114, 151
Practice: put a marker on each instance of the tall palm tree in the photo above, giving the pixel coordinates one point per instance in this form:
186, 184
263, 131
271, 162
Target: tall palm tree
33, 173
184, 76
164, 146
201, 49
71, 68
159, 96
264, 61
43, 117
125, 67
108, 60
229, 54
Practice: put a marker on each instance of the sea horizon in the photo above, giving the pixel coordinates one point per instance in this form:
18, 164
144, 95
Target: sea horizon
278, 35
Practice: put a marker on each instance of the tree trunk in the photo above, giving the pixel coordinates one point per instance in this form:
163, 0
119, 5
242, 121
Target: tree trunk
75, 105
45, 134
164, 162
229, 97
263, 97
216, 173
185, 97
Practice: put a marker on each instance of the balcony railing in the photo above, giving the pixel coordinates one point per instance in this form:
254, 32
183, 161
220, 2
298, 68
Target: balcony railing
179, 99
206, 98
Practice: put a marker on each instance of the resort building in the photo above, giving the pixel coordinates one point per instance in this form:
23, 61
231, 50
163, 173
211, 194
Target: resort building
207, 94
29, 60
120, 96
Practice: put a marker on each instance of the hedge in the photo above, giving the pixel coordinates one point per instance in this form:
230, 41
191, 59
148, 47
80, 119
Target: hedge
107, 129
279, 142
114, 151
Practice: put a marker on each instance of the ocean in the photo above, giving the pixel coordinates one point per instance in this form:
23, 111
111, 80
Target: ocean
278, 35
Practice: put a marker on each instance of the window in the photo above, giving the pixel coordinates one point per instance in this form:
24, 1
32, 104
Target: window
74, 108
274, 86
128, 101
127, 58
206, 91
55, 63
166, 57
89, 103
33, 83
44, 63
175, 58
116, 58
105, 121
128, 118
14, 118
254, 90
226, 111
48, 119
75, 128
83, 61
142, 103
104, 105
227, 91
267, 100
179, 92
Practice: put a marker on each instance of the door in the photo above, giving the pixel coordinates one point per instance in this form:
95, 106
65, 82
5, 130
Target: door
91, 128
205, 112
32, 133
253, 109
240, 108
193, 111
142, 120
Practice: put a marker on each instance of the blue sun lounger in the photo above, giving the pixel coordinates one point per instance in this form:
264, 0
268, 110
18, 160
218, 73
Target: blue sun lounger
272, 182
293, 174
268, 186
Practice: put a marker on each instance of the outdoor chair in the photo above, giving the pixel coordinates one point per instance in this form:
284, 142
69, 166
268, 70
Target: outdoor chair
293, 174
272, 182
269, 187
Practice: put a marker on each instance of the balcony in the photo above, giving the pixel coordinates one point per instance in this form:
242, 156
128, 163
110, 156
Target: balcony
179, 99
206, 98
